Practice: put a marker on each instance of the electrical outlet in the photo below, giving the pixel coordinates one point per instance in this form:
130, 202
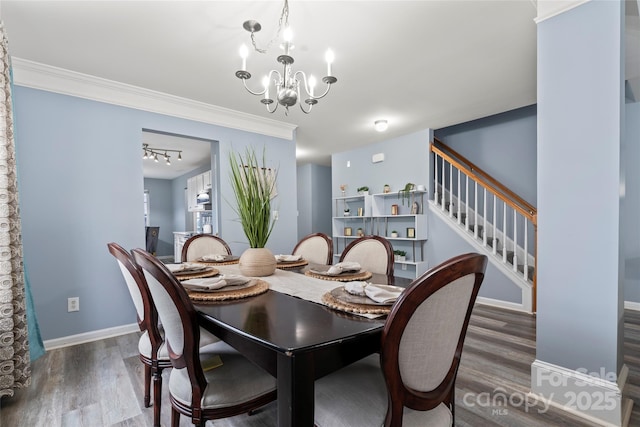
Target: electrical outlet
404, 266
73, 304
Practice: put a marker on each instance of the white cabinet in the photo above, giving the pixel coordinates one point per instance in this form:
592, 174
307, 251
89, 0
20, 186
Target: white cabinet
179, 238
383, 214
196, 185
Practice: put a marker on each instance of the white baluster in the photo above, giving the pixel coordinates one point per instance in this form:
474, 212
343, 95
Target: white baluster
450, 190
515, 240
459, 194
443, 186
466, 206
525, 273
435, 180
494, 225
504, 232
475, 209
484, 218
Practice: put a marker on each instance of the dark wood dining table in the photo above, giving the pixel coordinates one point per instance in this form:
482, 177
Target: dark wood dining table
295, 340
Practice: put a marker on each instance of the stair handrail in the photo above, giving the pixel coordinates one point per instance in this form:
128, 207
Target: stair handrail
469, 168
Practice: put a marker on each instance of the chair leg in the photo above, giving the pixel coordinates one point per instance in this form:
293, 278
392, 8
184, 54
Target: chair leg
157, 396
147, 386
175, 417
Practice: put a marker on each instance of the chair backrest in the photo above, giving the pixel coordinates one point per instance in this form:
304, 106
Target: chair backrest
373, 253
424, 333
316, 248
204, 244
137, 285
178, 317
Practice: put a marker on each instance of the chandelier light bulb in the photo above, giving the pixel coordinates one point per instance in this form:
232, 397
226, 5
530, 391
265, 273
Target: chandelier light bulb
168, 161
265, 83
180, 155
329, 57
155, 157
145, 155
312, 85
381, 125
287, 35
244, 52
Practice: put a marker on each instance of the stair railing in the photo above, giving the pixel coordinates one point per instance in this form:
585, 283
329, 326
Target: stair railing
453, 175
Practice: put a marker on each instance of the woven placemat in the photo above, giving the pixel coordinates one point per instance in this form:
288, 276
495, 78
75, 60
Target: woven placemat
198, 275
258, 288
293, 264
227, 262
332, 302
361, 275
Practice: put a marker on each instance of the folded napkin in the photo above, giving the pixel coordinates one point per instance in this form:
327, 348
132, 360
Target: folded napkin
214, 257
343, 267
383, 294
178, 268
288, 258
214, 283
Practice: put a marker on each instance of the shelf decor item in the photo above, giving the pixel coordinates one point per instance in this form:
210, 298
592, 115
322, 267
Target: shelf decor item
386, 189
347, 212
343, 188
399, 255
359, 232
405, 193
394, 209
253, 189
347, 231
363, 190
360, 211
411, 233
394, 234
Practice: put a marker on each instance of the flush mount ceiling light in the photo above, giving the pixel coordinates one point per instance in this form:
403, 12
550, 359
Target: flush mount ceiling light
152, 153
381, 125
287, 84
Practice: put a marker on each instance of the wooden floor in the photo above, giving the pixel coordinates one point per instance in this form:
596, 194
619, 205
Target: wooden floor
100, 383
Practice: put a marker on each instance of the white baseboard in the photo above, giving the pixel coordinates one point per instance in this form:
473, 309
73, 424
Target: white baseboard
502, 304
596, 399
90, 336
630, 305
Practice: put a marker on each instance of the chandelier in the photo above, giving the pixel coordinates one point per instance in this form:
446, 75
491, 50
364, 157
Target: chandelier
287, 84
152, 153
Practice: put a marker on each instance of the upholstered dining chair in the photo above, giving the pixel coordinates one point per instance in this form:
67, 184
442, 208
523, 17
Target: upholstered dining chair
235, 387
373, 253
412, 382
203, 244
316, 248
151, 345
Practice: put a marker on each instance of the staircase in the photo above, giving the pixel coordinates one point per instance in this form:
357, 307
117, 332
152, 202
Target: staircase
488, 215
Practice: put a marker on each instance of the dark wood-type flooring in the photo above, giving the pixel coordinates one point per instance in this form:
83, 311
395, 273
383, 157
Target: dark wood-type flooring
100, 383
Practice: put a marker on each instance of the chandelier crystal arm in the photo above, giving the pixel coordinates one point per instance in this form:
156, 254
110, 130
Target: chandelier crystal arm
264, 89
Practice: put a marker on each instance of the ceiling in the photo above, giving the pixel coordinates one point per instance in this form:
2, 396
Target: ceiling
418, 64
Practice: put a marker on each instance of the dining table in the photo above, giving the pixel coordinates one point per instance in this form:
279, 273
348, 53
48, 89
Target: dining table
289, 332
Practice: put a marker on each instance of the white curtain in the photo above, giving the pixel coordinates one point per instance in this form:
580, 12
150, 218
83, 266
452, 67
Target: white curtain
15, 368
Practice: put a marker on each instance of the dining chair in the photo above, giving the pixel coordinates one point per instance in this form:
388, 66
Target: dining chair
373, 253
152, 347
204, 244
236, 386
316, 248
412, 382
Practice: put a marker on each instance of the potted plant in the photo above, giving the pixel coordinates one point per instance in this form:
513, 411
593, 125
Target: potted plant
394, 234
347, 211
359, 232
386, 189
253, 189
363, 190
405, 193
399, 255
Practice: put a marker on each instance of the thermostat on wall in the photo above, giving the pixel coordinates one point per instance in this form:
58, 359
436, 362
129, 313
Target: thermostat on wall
377, 158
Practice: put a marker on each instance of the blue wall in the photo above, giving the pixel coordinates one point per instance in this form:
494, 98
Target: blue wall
314, 199
81, 186
503, 145
161, 212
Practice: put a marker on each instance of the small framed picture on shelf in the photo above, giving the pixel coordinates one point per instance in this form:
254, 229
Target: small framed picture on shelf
347, 231
411, 233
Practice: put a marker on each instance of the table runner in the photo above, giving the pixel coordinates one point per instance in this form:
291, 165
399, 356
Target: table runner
296, 285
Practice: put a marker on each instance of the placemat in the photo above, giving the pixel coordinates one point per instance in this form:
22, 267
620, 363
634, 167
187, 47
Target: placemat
230, 261
292, 264
200, 274
361, 275
332, 302
260, 287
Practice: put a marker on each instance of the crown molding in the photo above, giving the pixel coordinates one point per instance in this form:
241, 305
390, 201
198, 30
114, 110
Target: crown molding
59, 80
550, 8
